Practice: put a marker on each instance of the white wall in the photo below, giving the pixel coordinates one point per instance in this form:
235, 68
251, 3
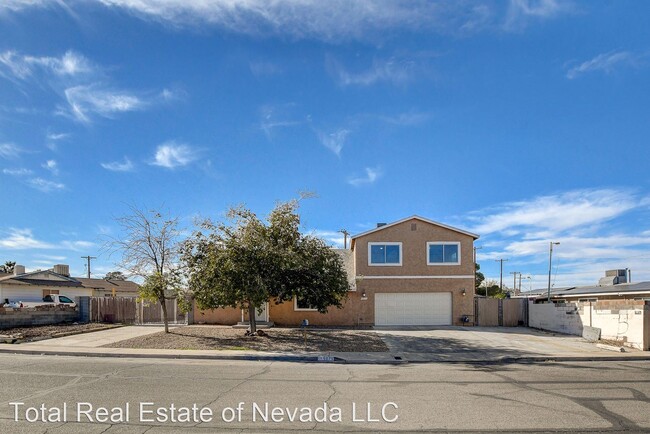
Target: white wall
35, 293
621, 321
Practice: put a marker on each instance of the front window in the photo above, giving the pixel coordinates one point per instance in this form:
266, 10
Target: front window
385, 254
301, 304
443, 253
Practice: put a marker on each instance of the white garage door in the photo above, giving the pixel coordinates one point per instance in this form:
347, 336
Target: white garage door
413, 308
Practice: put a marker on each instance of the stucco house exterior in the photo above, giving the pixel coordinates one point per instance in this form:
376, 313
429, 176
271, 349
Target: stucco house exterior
33, 286
414, 271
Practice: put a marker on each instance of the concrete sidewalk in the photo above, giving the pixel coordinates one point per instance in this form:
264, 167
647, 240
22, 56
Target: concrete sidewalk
447, 345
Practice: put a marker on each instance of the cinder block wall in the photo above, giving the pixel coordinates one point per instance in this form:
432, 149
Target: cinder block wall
624, 321
42, 315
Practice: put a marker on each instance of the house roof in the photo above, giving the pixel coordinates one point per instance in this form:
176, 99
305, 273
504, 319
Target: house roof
109, 285
641, 288
417, 217
66, 281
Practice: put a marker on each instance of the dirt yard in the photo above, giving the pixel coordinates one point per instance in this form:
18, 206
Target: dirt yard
277, 339
27, 333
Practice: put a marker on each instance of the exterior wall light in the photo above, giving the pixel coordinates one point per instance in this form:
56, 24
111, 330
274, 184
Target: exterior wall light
464, 292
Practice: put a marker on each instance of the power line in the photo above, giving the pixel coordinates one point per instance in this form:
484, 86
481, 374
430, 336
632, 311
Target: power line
88, 258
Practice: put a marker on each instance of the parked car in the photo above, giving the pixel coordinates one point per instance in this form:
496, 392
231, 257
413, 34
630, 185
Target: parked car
50, 300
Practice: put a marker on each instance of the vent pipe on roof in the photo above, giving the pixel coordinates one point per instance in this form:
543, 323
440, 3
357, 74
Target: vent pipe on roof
629, 275
19, 269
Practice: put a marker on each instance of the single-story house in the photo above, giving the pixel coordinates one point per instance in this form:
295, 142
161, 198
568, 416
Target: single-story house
614, 286
33, 286
414, 271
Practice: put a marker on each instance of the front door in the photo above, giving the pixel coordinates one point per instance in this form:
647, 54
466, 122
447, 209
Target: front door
263, 314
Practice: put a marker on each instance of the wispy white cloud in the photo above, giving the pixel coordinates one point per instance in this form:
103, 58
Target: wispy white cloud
52, 166
407, 119
24, 239
277, 116
44, 185
334, 141
394, 71
333, 238
17, 172
555, 212
86, 101
521, 12
333, 20
171, 155
585, 222
372, 175
10, 150
57, 136
24, 66
119, 166
21, 238
606, 62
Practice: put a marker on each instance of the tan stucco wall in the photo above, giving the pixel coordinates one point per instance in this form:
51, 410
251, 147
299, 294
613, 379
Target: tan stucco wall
227, 316
283, 314
414, 250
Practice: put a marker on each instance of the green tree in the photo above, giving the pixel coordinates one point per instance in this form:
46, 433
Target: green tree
244, 262
8, 267
493, 290
114, 275
479, 277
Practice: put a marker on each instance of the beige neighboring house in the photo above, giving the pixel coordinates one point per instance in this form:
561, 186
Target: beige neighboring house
33, 286
414, 271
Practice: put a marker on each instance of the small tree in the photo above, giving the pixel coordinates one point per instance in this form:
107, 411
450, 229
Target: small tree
245, 262
480, 277
149, 246
8, 267
114, 275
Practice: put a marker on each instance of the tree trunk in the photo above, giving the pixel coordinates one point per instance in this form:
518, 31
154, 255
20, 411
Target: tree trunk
163, 304
251, 318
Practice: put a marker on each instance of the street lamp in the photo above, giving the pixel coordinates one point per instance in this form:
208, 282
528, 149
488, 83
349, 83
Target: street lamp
550, 260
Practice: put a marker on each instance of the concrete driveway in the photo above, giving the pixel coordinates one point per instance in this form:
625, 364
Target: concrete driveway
485, 343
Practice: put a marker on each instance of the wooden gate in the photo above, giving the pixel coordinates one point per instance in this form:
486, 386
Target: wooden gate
130, 310
507, 312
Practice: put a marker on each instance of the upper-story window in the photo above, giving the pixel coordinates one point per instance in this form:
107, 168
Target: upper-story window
384, 253
443, 253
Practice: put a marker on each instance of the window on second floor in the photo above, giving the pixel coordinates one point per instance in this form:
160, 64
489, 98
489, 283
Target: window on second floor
384, 253
443, 253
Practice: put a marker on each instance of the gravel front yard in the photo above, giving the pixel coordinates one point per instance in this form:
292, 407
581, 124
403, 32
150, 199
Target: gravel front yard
50, 330
277, 339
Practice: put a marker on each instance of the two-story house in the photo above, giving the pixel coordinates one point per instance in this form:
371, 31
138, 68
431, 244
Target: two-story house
411, 272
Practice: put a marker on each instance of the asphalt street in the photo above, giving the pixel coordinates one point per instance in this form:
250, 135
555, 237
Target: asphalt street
165, 396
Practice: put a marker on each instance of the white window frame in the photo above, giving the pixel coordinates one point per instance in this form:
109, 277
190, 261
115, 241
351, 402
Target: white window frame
384, 243
457, 243
300, 309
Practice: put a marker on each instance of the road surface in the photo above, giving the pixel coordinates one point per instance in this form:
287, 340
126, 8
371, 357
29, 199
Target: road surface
104, 395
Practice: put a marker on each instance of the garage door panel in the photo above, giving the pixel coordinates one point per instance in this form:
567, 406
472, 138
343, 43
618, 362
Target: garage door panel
413, 308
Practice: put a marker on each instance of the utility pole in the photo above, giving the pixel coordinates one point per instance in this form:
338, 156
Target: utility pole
88, 258
514, 283
345, 238
550, 260
501, 274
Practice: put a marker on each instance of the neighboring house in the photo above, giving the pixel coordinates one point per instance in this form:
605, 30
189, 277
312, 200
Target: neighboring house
411, 272
614, 286
33, 286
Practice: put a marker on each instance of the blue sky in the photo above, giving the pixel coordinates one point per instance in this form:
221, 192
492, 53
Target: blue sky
523, 121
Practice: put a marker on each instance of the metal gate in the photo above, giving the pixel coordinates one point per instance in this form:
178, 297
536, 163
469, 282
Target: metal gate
130, 310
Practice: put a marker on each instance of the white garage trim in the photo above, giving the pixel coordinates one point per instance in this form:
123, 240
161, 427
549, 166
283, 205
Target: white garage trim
413, 308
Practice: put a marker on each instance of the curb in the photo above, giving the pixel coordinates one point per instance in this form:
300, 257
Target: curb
323, 359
